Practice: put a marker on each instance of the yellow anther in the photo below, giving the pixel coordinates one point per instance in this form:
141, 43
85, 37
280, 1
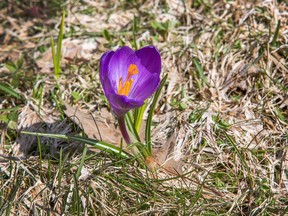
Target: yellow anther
132, 70
125, 89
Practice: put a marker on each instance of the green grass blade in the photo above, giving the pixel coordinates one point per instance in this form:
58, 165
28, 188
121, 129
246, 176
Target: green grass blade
76, 195
60, 169
138, 116
59, 45
10, 109
276, 33
238, 152
100, 145
54, 55
57, 54
150, 115
134, 30
107, 35
135, 115
131, 127
9, 90
242, 159
81, 163
95, 143
40, 155
200, 71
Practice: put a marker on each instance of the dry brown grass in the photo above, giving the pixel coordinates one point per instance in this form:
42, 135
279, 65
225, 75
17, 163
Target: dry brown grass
225, 104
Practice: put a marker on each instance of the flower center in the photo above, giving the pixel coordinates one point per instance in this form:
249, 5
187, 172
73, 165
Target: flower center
124, 89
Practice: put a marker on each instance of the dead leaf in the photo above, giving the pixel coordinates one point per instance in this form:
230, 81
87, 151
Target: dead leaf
164, 157
98, 127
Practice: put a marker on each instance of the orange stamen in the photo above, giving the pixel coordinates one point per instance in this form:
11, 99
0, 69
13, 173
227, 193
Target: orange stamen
132, 70
125, 89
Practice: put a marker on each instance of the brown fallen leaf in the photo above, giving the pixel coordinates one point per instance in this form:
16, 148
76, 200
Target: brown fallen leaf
95, 127
163, 157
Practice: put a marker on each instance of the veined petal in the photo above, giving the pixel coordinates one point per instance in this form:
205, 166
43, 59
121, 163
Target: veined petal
121, 104
104, 62
119, 64
141, 77
146, 88
150, 58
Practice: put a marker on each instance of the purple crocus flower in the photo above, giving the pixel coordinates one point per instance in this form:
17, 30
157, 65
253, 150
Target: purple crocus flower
129, 77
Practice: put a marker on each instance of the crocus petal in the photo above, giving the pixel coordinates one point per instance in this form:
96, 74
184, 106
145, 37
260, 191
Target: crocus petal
122, 104
143, 75
144, 79
146, 88
150, 58
119, 64
104, 62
